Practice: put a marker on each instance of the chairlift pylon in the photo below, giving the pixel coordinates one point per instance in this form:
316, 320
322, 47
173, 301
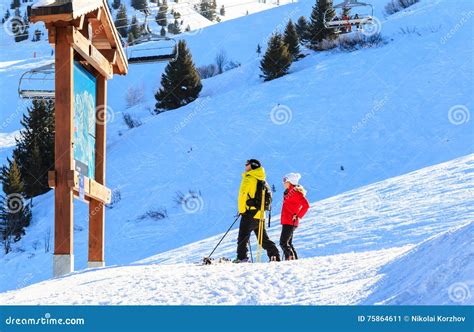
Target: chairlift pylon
166, 52
358, 19
37, 83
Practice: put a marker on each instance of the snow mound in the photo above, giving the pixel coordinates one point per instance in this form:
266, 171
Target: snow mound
440, 270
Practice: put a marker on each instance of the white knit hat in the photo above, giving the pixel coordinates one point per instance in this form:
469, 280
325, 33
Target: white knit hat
292, 178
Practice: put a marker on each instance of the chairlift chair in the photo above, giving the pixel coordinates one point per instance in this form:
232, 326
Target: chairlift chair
37, 83
156, 49
363, 18
166, 50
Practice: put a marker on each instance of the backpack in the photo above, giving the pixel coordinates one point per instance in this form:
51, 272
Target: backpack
257, 200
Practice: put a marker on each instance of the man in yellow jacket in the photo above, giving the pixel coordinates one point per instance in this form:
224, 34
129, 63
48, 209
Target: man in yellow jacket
250, 214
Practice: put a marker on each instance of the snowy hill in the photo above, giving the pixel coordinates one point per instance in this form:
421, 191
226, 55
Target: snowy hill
379, 113
348, 257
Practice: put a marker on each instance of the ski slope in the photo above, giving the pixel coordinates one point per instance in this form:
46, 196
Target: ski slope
379, 258
380, 113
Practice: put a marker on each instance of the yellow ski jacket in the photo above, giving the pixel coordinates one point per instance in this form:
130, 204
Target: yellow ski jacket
248, 187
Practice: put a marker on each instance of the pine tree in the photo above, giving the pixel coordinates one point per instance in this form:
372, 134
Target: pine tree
15, 214
36, 36
174, 28
140, 5
207, 8
259, 49
290, 38
317, 32
277, 60
135, 28
163, 32
161, 16
222, 11
34, 150
302, 27
121, 21
116, 4
180, 83
15, 4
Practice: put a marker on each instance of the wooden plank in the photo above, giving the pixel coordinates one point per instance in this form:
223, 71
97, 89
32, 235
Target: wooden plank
52, 179
84, 47
92, 189
63, 145
112, 34
51, 18
96, 208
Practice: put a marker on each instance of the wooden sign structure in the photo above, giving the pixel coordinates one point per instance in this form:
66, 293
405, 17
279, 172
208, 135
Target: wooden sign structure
88, 51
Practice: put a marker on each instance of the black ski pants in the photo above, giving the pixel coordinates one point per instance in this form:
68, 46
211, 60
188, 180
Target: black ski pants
248, 225
286, 241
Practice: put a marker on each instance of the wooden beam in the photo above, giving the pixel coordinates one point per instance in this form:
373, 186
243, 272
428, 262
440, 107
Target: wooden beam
110, 55
63, 144
96, 208
84, 47
51, 18
79, 22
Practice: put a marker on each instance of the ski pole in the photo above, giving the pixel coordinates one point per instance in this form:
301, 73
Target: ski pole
208, 257
250, 248
269, 216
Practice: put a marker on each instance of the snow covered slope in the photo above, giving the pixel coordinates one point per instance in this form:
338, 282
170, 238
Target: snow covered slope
353, 252
441, 265
379, 113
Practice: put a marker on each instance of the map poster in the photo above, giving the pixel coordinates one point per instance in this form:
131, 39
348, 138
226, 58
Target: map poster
84, 121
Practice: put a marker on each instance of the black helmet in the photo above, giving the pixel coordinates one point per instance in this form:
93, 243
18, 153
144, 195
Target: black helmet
254, 163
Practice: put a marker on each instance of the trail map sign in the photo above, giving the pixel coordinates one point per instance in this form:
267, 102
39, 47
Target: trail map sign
84, 121
88, 52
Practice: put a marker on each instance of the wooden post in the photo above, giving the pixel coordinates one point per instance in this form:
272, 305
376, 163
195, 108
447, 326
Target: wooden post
96, 208
63, 149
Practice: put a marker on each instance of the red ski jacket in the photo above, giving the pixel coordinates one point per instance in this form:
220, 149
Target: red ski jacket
294, 204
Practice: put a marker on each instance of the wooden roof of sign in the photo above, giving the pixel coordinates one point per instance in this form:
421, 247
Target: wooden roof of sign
91, 31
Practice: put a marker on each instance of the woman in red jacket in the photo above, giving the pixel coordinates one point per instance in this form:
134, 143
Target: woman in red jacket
295, 206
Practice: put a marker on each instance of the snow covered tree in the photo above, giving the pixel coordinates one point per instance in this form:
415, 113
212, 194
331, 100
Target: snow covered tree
161, 16
290, 38
222, 11
7, 15
174, 28
140, 5
15, 4
317, 32
34, 150
277, 60
207, 8
116, 4
15, 214
135, 28
36, 36
180, 83
302, 27
121, 21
